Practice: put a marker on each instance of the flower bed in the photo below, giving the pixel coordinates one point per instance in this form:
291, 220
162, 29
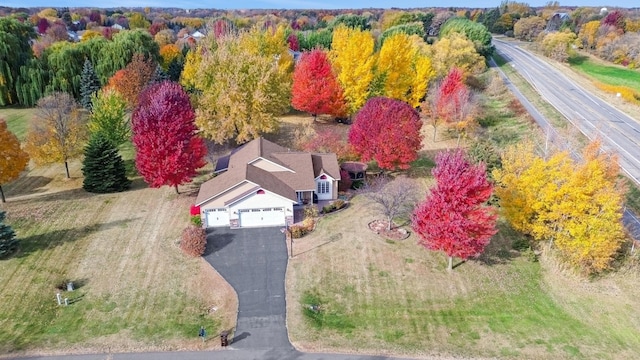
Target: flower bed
380, 227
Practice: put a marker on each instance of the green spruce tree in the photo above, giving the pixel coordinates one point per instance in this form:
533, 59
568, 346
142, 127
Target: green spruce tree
89, 84
160, 75
8, 241
103, 167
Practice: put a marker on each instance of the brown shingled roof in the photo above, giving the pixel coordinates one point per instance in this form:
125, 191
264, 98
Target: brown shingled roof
305, 167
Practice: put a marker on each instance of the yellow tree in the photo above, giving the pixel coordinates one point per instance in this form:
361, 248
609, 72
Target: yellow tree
456, 50
405, 68
12, 158
168, 53
589, 33
591, 231
244, 87
575, 206
189, 75
352, 56
557, 45
57, 132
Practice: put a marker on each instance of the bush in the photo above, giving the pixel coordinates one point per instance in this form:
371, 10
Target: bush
298, 231
196, 220
334, 206
194, 241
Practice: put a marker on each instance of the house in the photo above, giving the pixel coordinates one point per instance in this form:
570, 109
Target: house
260, 183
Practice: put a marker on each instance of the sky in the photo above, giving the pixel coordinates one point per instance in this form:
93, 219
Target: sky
299, 4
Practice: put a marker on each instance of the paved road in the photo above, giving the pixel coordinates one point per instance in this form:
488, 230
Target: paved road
593, 116
590, 114
219, 355
254, 262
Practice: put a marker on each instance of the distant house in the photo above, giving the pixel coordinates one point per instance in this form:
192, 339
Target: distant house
197, 35
73, 36
117, 27
260, 182
556, 21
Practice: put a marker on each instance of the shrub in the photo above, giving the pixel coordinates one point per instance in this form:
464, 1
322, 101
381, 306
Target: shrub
298, 231
196, 220
194, 241
310, 211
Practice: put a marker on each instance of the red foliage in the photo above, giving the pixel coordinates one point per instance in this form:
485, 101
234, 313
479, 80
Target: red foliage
168, 151
315, 86
388, 131
95, 16
345, 181
453, 218
156, 27
222, 27
194, 241
194, 210
293, 42
451, 96
614, 18
329, 141
43, 25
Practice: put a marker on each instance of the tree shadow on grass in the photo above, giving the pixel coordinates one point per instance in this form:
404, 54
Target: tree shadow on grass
49, 240
26, 185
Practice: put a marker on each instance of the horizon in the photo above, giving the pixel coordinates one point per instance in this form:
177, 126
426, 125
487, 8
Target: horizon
298, 4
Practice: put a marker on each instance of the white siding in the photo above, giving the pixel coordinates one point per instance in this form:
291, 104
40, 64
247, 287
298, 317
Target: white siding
261, 201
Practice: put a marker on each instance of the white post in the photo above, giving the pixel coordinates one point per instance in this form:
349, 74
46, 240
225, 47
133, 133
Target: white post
66, 301
59, 298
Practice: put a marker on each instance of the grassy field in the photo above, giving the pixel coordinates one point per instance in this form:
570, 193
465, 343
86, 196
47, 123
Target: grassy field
378, 296
136, 290
17, 119
608, 74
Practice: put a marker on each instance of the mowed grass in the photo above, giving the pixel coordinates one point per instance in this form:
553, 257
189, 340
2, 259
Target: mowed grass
607, 74
373, 295
17, 119
136, 290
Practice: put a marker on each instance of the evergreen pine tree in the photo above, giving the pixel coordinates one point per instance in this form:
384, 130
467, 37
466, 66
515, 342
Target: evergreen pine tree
175, 69
8, 241
160, 75
89, 84
103, 167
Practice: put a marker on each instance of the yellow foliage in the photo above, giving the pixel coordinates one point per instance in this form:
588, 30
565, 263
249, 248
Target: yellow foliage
456, 50
577, 206
627, 93
352, 56
12, 158
90, 34
557, 45
168, 53
631, 25
395, 60
189, 75
588, 34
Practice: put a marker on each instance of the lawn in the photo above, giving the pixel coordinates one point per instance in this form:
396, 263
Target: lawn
135, 289
17, 119
383, 297
608, 74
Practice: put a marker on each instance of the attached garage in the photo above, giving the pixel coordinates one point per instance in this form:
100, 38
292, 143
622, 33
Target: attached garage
217, 217
261, 217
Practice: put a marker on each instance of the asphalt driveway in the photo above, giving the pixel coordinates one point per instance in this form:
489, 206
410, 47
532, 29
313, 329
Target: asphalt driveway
254, 262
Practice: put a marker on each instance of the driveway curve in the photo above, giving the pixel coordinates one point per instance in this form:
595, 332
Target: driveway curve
254, 262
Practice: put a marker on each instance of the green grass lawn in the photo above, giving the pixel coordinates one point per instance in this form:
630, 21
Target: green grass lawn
611, 75
17, 119
359, 292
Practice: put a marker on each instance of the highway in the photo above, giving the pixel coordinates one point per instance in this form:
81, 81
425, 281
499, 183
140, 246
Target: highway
593, 116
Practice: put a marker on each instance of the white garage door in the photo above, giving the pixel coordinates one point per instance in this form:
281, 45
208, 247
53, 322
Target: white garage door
261, 217
217, 217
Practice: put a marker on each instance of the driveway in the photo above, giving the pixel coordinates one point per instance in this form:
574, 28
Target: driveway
254, 262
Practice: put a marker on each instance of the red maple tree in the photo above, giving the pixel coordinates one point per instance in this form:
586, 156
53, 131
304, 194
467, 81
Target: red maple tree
329, 140
293, 42
388, 131
315, 87
168, 151
453, 218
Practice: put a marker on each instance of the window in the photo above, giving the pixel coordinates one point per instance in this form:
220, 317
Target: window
323, 187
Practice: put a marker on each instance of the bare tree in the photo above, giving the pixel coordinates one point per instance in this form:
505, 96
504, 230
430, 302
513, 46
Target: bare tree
392, 197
